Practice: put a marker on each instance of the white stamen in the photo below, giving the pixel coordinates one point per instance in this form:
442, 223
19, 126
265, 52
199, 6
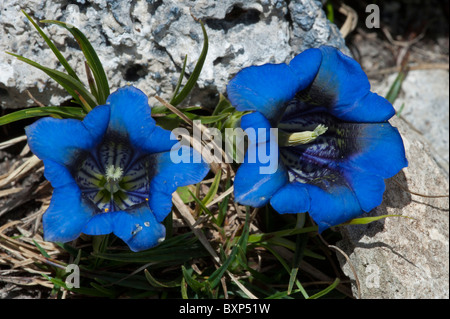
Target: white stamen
297, 138
114, 173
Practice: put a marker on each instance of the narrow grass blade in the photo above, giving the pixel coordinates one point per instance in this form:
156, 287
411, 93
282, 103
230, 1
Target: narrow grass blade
183, 191
180, 80
91, 58
195, 74
223, 204
62, 111
194, 284
203, 207
214, 279
213, 189
41, 250
222, 105
158, 284
326, 290
330, 11
70, 84
300, 245
400, 110
367, 220
394, 90
53, 47
184, 294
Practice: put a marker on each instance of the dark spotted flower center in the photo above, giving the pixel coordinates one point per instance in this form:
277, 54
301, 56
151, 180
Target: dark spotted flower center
114, 176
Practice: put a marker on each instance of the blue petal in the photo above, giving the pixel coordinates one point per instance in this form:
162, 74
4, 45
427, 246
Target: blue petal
100, 224
131, 117
67, 214
332, 206
379, 150
96, 122
57, 174
257, 124
262, 173
291, 199
176, 168
62, 140
160, 203
367, 188
253, 188
138, 227
344, 89
267, 88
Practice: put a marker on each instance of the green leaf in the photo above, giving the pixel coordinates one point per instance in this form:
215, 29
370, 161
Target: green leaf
56, 281
222, 105
184, 193
52, 46
71, 85
92, 60
326, 290
330, 11
400, 110
195, 74
194, 284
42, 250
215, 277
300, 245
213, 189
367, 220
184, 294
180, 79
63, 111
223, 205
395, 88
203, 207
158, 284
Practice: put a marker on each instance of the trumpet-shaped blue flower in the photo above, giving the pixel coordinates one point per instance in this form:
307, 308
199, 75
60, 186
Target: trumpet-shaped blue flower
335, 145
111, 172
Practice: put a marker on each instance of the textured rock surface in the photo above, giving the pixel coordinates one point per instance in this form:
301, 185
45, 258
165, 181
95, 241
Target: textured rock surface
425, 97
144, 42
400, 257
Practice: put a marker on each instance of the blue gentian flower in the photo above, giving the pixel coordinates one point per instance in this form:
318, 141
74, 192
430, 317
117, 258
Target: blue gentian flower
335, 146
111, 172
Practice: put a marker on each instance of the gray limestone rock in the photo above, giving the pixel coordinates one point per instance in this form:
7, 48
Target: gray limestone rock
400, 257
144, 42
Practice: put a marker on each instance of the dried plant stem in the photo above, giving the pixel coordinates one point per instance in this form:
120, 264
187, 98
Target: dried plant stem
34, 99
350, 22
418, 194
358, 285
26, 167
